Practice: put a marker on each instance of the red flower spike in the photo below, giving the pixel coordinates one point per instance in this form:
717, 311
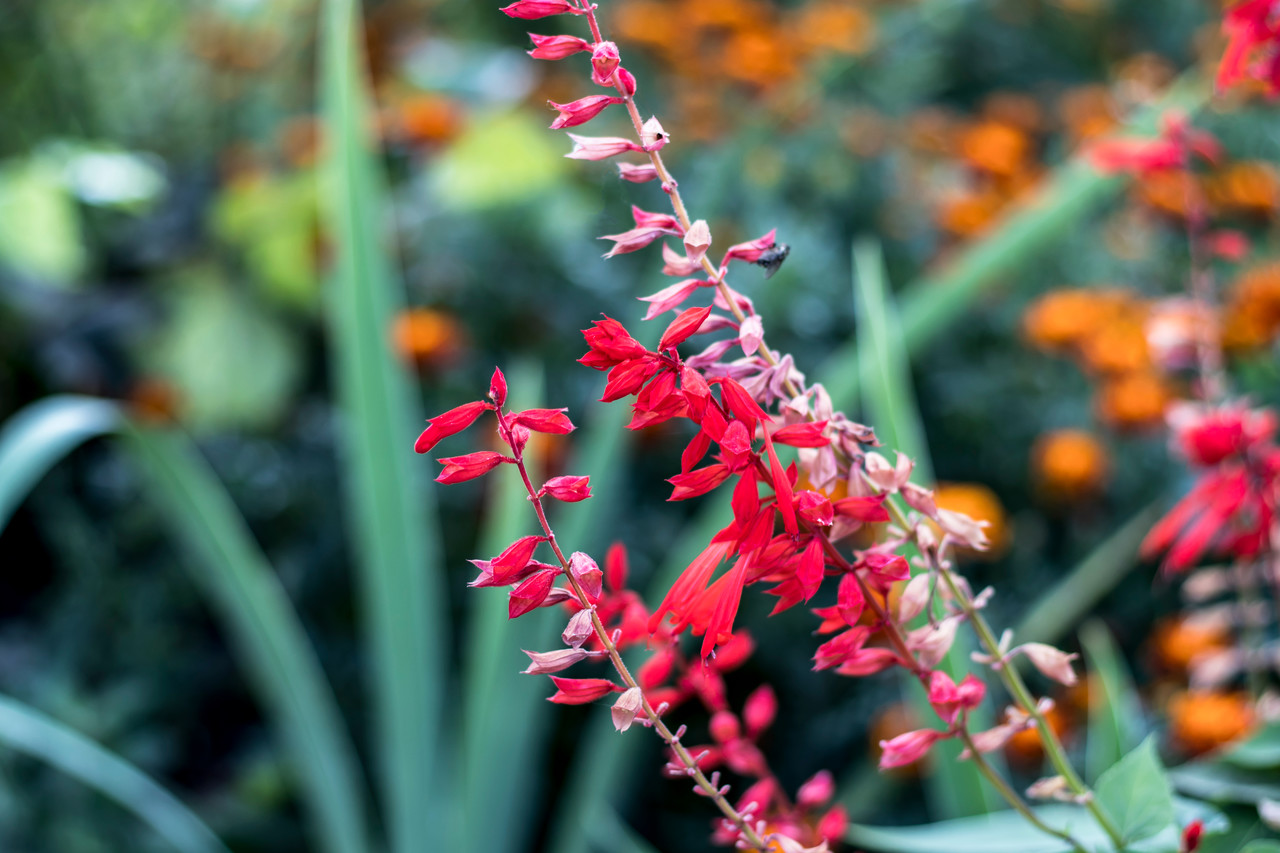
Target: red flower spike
759, 711
807, 434
458, 469
569, 488
811, 569
580, 691
684, 326
498, 388
610, 345
450, 423
531, 9
581, 111
697, 482
850, 602
781, 488
530, 594
550, 421
557, 47
815, 508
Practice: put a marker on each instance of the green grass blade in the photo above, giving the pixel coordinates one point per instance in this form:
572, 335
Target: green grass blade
610, 832
36, 438
1053, 615
1116, 714
955, 788
393, 517
31, 732
1075, 190
248, 600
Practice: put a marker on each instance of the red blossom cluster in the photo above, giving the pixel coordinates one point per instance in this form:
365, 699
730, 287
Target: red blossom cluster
1252, 29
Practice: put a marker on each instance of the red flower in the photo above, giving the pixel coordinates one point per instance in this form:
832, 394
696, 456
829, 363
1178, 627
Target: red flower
458, 469
579, 691
1253, 34
556, 47
582, 110
530, 9
450, 423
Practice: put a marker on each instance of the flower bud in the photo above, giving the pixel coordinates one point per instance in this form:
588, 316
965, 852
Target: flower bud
604, 61
544, 663
588, 575
580, 628
725, 727
653, 137
818, 790
1054, 663
697, 240
624, 711
915, 595
556, 47
907, 748
637, 173
759, 710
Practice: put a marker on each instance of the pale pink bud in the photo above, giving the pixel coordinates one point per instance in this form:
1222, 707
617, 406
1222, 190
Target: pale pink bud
633, 240
759, 710
920, 499
588, 575
624, 711
697, 240
548, 662
1049, 788
751, 250
580, 628
652, 136
907, 748
915, 595
993, 738
670, 297
1054, 663
581, 111
556, 47
637, 173
963, 528
676, 265
818, 790
648, 219
751, 334
599, 147
725, 727
932, 644
604, 61
879, 472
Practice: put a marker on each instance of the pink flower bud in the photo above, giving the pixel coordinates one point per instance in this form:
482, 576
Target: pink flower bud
530, 9
817, 791
550, 421
834, 824
751, 334
963, 528
498, 388
556, 47
993, 738
752, 249
647, 219
633, 240
697, 240
580, 628
450, 423
920, 499
624, 711
581, 111
545, 663
530, 594
725, 727
569, 488
653, 137
588, 575
813, 507
637, 173
579, 691
932, 644
907, 748
599, 147
915, 595
627, 81
759, 710
604, 61
677, 265
670, 297
458, 469
1054, 663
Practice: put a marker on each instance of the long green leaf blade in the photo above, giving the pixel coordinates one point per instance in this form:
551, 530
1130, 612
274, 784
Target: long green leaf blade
29, 731
391, 508
265, 631
1115, 716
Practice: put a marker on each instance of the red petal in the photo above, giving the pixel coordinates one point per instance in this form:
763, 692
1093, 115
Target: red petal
450, 423
458, 469
530, 593
498, 388
868, 509
552, 421
579, 691
682, 327
615, 566
697, 482
803, 435
781, 488
810, 572
569, 488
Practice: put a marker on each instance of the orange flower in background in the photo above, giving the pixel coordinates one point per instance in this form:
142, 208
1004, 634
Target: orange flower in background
995, 147
427, 337
1201, 720
1069, 465
970, 212
1025, 749
981, 504
1065, 318
424, 118
1176, 642
1249, 187
1118, 346
836, 27
1168, 191
1252, 315
153, 400
1088, 112
300, 139
1133, 401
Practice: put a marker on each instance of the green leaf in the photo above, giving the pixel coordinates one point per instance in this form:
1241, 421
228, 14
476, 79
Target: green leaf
1115, 714
1136, 794
611, 833
265, 631
1261, 846
29, 731
39, 224
39, 436
402, 591
1008, 832
500, 159
1260, 752
1222, 783
1066, 602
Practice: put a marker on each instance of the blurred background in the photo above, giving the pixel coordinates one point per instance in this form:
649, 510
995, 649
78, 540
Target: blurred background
163, 244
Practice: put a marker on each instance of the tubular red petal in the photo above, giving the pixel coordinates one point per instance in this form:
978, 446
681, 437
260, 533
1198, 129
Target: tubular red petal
551, 421
530, 593
450, 423
683, 327
697, 482
579, 691
803, 435
458, 469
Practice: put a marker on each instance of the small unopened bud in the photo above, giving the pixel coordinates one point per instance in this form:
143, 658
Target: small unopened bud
588, 575
579, 629
817, 791
1049, 788
915, 595
725, 727
932, 644
697, 240
652, 136
759, 710
624, 711
1054, 663
544, 663
920, 499
604, 61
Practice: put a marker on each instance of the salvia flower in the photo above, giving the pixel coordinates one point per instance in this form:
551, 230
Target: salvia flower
581, 111
604, 61
531, 9
557, 47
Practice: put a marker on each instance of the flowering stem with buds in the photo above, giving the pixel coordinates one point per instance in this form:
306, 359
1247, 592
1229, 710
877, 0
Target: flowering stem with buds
705, 785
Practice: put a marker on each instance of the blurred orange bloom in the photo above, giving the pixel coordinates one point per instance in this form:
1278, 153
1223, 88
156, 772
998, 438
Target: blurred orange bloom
1201, 720
1069, 465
